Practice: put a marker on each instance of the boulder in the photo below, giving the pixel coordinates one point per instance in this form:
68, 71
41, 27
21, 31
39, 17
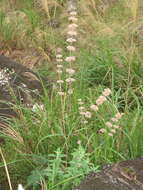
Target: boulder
125, 175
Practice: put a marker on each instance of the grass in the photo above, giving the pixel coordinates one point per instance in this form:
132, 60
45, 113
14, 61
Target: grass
52, 148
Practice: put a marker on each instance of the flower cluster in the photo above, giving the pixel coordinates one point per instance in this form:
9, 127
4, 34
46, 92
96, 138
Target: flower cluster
69, 71
87, 113
5, 76
112, 125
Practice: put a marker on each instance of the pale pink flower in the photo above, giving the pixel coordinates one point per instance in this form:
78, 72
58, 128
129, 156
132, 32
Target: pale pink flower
59, 56
106, 92
60, 81
114, 119
84, 121
94, 107
59, 71
118, 115
116, 126
88, 114
59, 66
71, 40
101, 100
110, 134
70, 80
102, 130
81, 108
61, 93
59, 60
109, 124
70, 91
72, 33
70, 59
78, 142
72, 26
73, 13
73, 19
70, 71
59, 50
113, 130
82, 113
71, 48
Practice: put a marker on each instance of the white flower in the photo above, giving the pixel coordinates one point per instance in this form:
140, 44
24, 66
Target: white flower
59, 71
72, 33
116, 126
70, 71
37, 107
70, 80
118, 115
71, 40
113, 130
82, 113
70, 91
88, 114
59, 66
101, 100
72, 26
61, 93
106, 92
20, 187
81, 108
94, 107
109, 124
114, 119
73, 19
59, 60
71, 48
59, 56
102, 130
110, 134
60, 81
70, 59
73, 13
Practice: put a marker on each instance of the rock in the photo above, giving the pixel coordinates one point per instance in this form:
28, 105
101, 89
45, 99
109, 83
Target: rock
18, 84
125, 175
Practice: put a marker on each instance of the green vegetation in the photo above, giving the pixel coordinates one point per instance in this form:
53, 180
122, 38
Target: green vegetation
54, 147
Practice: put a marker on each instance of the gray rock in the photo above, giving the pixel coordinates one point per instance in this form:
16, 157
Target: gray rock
125, 175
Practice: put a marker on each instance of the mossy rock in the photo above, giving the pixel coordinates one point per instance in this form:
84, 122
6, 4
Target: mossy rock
125, 175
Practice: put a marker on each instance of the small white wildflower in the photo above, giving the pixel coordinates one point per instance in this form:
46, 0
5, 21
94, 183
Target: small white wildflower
116, 126
59, 50
59, 66
60, 81
114, 119
102, 130
72, 26
81, 108
59, 71
73, 13
106, 92
59, 56
71, 40
78, 142
71, 48
110, 134
70, 91
36, 107
70, 80
118, 115
88, 114
94, 107
59, 60
72, 33
109, 124
84, 121
61, 93
82, 113
70, 71
20, 187
113, 130
101, 100
73, 19
70, 58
